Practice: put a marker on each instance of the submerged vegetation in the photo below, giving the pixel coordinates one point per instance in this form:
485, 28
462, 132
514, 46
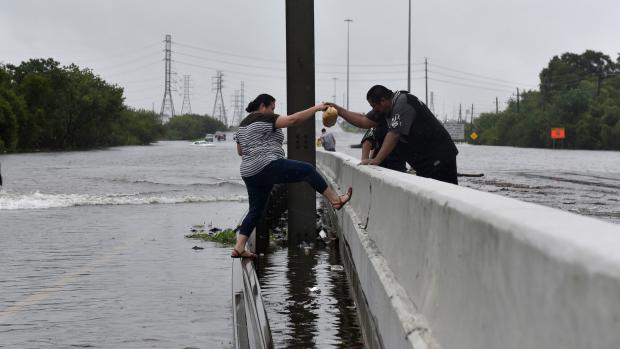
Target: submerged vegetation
578, 92
226, 236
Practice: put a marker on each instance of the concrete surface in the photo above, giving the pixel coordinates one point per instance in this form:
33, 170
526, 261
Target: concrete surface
447, 266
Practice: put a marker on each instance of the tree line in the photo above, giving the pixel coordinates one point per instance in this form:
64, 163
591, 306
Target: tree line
578, 92
46, 106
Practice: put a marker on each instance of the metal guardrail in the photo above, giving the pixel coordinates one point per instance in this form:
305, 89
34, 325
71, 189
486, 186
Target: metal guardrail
250, 323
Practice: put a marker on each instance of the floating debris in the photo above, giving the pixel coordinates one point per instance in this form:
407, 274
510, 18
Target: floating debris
336, 267
323, 234
314, 289
198, 248
227, 236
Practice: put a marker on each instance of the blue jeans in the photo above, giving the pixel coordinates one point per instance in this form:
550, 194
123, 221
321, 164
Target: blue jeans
278, 171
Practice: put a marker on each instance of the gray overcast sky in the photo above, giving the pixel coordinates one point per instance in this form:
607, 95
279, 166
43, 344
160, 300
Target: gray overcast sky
466, 42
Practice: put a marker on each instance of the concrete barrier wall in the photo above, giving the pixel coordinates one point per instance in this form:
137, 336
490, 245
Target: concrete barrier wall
447, 266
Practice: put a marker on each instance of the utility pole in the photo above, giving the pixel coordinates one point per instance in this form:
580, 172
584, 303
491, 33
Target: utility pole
409, 51
518, 97
426, 78
300, 86
460, 113
432, 106
471, 119
496, 106
186, 107
167, 107
219, 110
348, 20
334, 96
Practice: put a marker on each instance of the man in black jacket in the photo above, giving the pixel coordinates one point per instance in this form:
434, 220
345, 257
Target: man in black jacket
373, 140
430, 150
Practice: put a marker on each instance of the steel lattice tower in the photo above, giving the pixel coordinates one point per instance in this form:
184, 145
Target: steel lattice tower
219, 110
235, 108
238, 104
167, 107
241, 102
186, 108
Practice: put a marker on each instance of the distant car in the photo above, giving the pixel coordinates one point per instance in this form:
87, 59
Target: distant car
209, 138
220, 136
203, 143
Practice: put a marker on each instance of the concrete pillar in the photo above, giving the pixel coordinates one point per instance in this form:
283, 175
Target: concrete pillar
300, 91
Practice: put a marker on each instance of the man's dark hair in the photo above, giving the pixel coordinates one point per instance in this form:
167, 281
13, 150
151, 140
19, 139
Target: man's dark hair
377, 92
263, 99
323, 130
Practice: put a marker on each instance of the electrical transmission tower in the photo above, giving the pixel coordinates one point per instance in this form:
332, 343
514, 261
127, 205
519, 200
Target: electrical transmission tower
241, 103
238, 103
219, 110
167, 108
235, 108
186, 108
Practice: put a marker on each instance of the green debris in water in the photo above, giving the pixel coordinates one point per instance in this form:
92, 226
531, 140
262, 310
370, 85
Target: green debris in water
227, 236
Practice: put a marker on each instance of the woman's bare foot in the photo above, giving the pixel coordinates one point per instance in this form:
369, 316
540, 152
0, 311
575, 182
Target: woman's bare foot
243, 254
343, 199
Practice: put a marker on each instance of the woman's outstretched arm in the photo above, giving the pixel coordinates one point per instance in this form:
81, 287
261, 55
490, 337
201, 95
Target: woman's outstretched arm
285, 121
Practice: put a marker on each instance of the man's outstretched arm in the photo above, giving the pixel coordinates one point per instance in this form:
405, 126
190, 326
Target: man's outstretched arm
354, 118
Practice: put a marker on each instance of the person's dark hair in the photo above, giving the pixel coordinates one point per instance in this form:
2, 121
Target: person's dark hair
263, 99
377, 92
323, 130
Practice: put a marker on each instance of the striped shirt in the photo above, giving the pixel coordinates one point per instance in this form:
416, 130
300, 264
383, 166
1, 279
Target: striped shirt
260, 141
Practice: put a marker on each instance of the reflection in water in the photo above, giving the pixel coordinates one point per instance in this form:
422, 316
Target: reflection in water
302, 302
308, 304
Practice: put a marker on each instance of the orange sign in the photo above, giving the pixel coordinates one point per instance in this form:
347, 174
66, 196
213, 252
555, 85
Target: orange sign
558, 133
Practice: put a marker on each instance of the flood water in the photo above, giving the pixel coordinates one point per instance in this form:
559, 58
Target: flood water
93, 252
94, 255
578, 181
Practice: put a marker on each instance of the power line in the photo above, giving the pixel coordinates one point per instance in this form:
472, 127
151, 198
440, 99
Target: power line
140, 81
477, 75
125, 63
128, 53
467, 85
229, 71
254, 58
135, 69
470, 80
280, 69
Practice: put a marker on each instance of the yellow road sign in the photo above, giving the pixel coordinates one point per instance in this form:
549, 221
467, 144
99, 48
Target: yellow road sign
473, 135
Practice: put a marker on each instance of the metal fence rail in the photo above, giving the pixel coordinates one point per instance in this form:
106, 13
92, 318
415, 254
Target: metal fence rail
250, 323
251, 327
